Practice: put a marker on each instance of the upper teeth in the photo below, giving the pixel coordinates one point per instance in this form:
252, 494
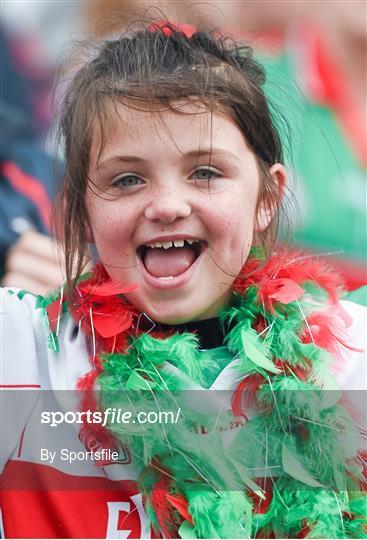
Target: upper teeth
171, 243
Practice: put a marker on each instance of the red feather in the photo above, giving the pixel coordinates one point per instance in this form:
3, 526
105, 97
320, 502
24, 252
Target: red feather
111, 322
261, 506
304, 531
101, 303
87, 381
181, 505
286, 290
108, 288
116, 344
327, 331
260, 325
237, 409
53, 313
344, 315
302, 372
162, 508
296, 267
244, 395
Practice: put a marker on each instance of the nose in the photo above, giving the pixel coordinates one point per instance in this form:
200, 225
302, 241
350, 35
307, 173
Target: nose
166, 206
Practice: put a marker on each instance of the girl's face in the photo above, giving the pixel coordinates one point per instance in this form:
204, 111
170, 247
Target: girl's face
172, 205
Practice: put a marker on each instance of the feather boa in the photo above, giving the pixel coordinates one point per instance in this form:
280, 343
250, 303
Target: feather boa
286, 330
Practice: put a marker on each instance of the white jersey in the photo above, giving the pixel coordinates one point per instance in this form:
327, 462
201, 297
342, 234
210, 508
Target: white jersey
43, 495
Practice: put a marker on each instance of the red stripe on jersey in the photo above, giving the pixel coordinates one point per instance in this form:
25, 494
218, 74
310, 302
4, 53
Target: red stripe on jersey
20, 386
87, 509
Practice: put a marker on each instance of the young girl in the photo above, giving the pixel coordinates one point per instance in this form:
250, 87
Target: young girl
174, 173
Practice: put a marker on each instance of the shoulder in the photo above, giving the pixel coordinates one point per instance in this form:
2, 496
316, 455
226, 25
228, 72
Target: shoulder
34, 355
34, 358
301, 296
20, 326
19, 377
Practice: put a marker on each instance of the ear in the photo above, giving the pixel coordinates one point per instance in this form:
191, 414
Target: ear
267, 208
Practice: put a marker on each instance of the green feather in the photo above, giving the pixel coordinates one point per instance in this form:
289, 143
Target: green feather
257, 351
186, 530
137, 382
292, 464
202, 507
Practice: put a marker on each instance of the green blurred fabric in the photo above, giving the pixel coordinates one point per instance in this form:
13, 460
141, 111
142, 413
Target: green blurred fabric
330, 180
359, 296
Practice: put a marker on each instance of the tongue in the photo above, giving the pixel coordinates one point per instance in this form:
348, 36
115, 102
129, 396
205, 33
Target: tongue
168, 262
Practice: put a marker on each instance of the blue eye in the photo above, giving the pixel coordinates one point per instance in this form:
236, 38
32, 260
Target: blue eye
205, 174
128, 181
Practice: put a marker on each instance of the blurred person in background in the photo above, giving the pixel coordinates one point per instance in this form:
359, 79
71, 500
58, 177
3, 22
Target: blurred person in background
28, 255
319, 82
315, 54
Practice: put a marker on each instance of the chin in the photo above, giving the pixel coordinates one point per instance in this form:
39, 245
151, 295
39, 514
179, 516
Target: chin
172, 316
178, 310
173, 320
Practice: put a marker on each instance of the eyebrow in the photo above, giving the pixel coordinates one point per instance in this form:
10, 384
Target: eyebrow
122, 159
209, 152
193, 153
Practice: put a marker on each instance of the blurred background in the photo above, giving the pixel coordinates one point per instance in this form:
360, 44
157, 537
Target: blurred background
315, 55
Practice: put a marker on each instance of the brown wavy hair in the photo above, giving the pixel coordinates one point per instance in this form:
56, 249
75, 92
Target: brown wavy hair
160, 65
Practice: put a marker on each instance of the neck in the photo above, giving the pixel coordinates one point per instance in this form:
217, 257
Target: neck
209, 331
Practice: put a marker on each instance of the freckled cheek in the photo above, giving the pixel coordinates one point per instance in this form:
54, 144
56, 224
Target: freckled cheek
112, 232
234, 226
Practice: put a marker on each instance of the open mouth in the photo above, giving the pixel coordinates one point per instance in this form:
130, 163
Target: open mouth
171, 258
